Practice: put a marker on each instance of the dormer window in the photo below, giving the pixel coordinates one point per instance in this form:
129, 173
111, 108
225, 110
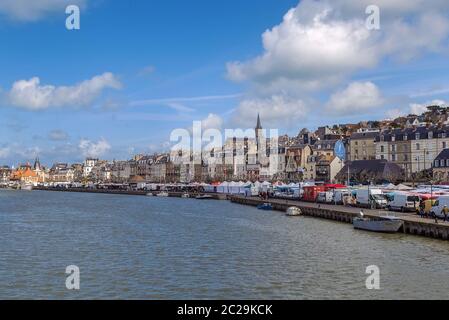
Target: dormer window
405, 137
430, 134
417, 136
393, 138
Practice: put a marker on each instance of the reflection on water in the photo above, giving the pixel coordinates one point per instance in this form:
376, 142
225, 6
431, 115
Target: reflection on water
165, 248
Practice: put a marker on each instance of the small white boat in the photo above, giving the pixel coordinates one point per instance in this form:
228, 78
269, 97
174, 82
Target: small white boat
26, 186
162, 194
293, 212
185, 195
149, 194
204, 197
387, 224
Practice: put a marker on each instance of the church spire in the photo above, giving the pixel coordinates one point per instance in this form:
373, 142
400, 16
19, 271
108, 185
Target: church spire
258, 126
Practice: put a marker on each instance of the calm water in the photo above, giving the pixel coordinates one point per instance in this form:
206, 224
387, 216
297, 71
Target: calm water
159, 248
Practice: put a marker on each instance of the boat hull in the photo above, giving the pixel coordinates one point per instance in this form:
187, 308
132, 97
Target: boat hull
386, 226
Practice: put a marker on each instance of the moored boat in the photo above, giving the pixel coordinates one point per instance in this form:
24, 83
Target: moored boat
185, 195
26, 186
265, 206
162, 194
293, 212
387, 224
149, 194
204, 197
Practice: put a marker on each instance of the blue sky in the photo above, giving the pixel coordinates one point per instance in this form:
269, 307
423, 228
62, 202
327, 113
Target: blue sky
136, 70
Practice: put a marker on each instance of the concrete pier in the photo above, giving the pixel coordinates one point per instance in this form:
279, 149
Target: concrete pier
413, 224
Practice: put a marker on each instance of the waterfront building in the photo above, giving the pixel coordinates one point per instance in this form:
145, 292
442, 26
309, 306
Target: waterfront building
296, 158
88, 165
5, 174
362, 145
327, 167
324, 147
441, 167
61, 173
25, 174
370, 171
120, 171
413, 149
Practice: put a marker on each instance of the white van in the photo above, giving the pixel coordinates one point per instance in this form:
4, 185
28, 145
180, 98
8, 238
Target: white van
371, 197
325, 197
439, 205
341, 195
403, 202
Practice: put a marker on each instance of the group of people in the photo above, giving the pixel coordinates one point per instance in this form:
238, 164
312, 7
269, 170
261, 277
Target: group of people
423, 213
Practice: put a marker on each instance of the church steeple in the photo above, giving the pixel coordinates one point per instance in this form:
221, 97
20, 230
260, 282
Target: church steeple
258, 125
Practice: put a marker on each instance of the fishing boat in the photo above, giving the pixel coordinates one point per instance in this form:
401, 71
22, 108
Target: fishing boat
185, 195
162, 194
386, 224
204, 197
293, 212
265, 206
149, 194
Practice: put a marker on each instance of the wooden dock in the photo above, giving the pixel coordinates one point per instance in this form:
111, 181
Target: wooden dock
413, 224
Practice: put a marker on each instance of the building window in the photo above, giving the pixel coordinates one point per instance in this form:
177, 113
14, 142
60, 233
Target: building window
405, 137
430, 134
417, 146
393, 148
393, 157
382, 149
444, 144
393, 138
437, 163
417, 136
443, 135
382, 157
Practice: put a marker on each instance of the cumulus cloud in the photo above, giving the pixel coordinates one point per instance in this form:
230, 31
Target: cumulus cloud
419, 108
93, 149
320, 43
277, 110
356, 97
33, 10
58, 135
31, 95
212, 121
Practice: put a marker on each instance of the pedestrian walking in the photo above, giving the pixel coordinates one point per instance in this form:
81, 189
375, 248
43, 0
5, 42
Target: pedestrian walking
445, 212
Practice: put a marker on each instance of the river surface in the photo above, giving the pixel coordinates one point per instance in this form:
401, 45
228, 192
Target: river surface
134, 247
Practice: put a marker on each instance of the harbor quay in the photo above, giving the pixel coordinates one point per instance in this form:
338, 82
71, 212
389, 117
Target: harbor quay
412, 223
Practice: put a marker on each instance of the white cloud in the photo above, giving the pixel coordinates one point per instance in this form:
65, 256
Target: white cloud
394, 113
33, 10
179, 107
212, 121
93, 149
275, 111
321, 43
355, 98
30, 94
419, 108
